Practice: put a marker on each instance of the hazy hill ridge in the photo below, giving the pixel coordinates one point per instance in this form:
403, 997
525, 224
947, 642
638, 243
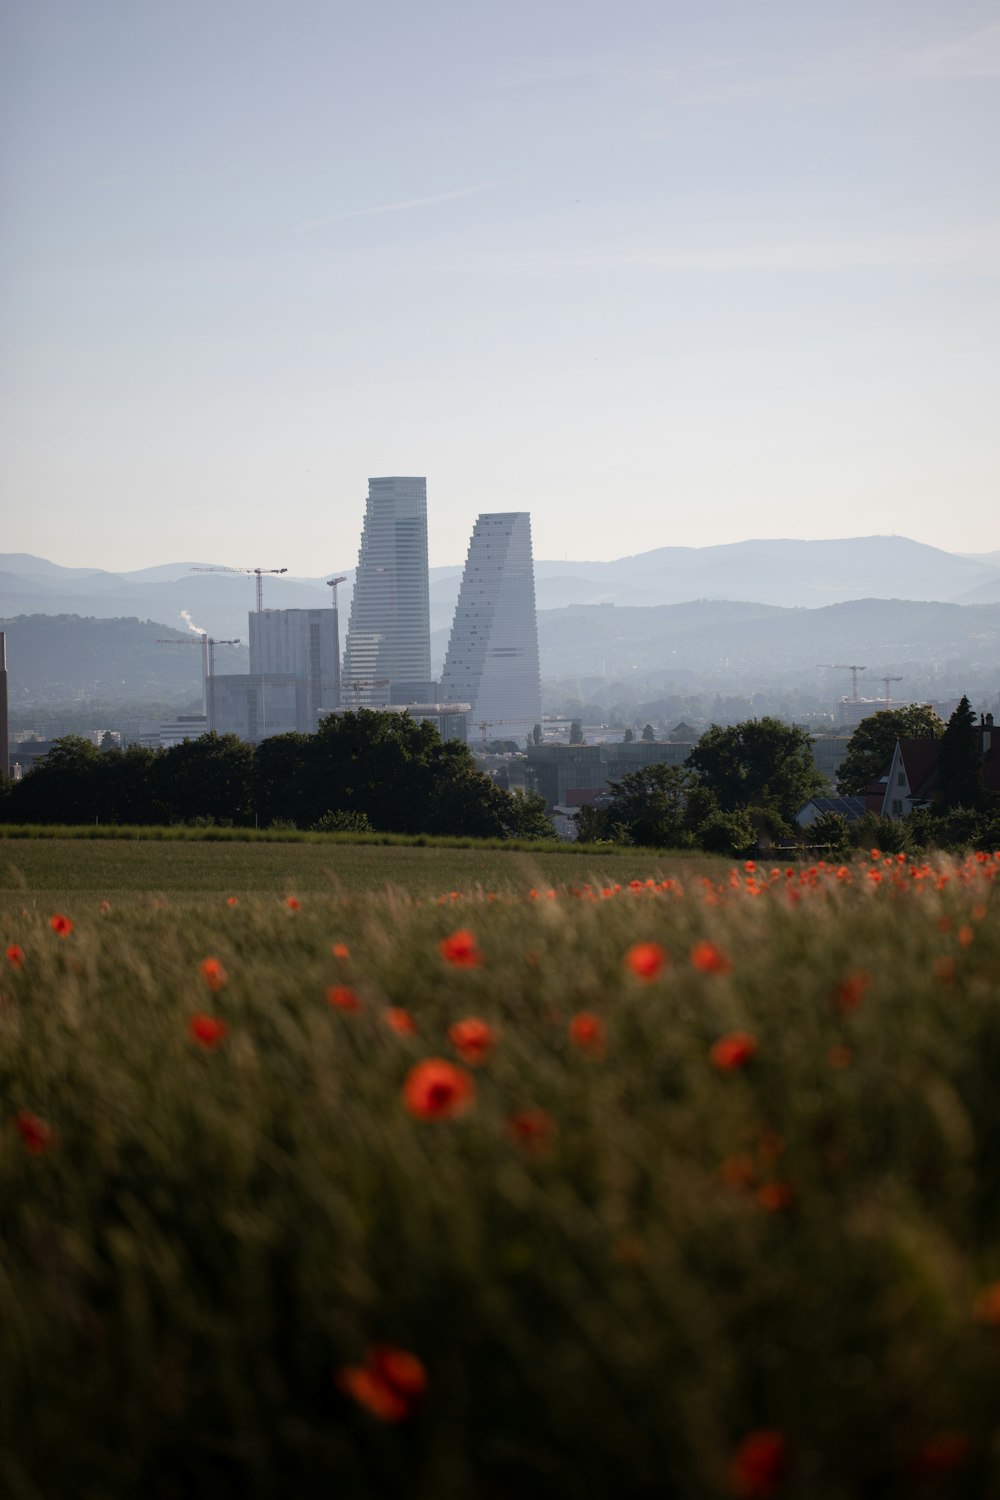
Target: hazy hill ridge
711, 640
775, 572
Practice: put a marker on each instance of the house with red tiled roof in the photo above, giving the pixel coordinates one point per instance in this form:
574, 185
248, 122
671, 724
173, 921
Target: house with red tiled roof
911, 780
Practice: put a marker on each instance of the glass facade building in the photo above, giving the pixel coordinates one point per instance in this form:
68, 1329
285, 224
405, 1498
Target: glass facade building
492, 659
387, 655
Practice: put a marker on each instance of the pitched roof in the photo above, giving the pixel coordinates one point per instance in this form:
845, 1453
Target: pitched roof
920, 758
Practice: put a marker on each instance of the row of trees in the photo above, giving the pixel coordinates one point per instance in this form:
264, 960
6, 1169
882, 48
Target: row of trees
366, 769
738, 783
747, 781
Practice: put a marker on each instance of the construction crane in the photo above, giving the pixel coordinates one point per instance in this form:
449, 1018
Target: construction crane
257, 572
331, 583
208, 644
358, 683
485, 724
885, 682
841, 666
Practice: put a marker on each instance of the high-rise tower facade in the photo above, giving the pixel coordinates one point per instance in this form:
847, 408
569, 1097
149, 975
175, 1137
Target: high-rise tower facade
387, 656
492, 659
301, 643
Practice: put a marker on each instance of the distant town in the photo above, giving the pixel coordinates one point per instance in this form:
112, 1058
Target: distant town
627, 686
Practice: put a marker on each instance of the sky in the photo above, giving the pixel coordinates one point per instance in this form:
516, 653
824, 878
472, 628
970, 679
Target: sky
660, 272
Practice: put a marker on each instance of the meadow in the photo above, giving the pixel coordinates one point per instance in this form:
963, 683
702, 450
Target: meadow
191, 868
682, 1184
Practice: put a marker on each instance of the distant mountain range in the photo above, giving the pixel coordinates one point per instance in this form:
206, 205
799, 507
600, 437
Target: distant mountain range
784, 573
721, 643
770, 608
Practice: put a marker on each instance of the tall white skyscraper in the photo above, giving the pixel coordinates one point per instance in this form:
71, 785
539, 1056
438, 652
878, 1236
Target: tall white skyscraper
389, 635
492, 659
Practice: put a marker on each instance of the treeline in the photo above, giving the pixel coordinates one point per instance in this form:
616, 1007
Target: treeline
361, 771
741, 787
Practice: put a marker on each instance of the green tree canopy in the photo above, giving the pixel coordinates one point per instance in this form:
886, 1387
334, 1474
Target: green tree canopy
872, 743
658, 805
759, 763
63, 787
208, 777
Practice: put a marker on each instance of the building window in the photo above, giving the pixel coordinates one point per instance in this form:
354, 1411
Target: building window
900, 778
897, 808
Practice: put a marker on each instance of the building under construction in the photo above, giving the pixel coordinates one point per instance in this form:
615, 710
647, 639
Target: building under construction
294, 673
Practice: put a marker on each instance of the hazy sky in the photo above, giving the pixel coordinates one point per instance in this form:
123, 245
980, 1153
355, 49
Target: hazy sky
659, 271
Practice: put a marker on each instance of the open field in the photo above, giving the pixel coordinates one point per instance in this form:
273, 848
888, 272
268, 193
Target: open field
70, 871
702, 1201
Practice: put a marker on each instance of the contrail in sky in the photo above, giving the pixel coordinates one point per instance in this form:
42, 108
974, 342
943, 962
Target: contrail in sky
394, 208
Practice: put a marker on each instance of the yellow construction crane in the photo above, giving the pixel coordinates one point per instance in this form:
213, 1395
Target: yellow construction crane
258, 574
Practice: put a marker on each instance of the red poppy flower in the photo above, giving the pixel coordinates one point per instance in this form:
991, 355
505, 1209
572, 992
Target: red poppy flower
105, 906
840, 1057
774, 1197
588, 1032
853, 988
738, 1171
437, 1090
646, 960
400, 1020
733, 1051
293, 903
232, 900
36, 1136
61, 926
213, 973
760, 1464
207, 1031
340, 950
461, 949
342, 997
472, 1039
708, 958
941, 1454
390, 1385
365, 1387
986, 1308
15, 956
531, 1128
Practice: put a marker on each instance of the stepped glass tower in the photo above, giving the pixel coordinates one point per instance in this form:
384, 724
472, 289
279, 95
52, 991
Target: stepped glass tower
492, 659
387, 656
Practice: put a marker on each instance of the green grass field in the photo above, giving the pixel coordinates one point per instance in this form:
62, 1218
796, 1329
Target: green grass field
69, 871
715, 1216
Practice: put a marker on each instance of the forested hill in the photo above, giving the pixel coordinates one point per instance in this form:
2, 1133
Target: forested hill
56, 657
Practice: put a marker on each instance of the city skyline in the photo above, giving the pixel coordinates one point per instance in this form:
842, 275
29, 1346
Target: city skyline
716, 272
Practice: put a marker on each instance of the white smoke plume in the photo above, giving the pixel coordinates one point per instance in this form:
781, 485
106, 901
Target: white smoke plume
190, 623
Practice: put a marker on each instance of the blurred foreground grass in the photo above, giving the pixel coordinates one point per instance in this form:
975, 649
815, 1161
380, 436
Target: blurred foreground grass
631, 1258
